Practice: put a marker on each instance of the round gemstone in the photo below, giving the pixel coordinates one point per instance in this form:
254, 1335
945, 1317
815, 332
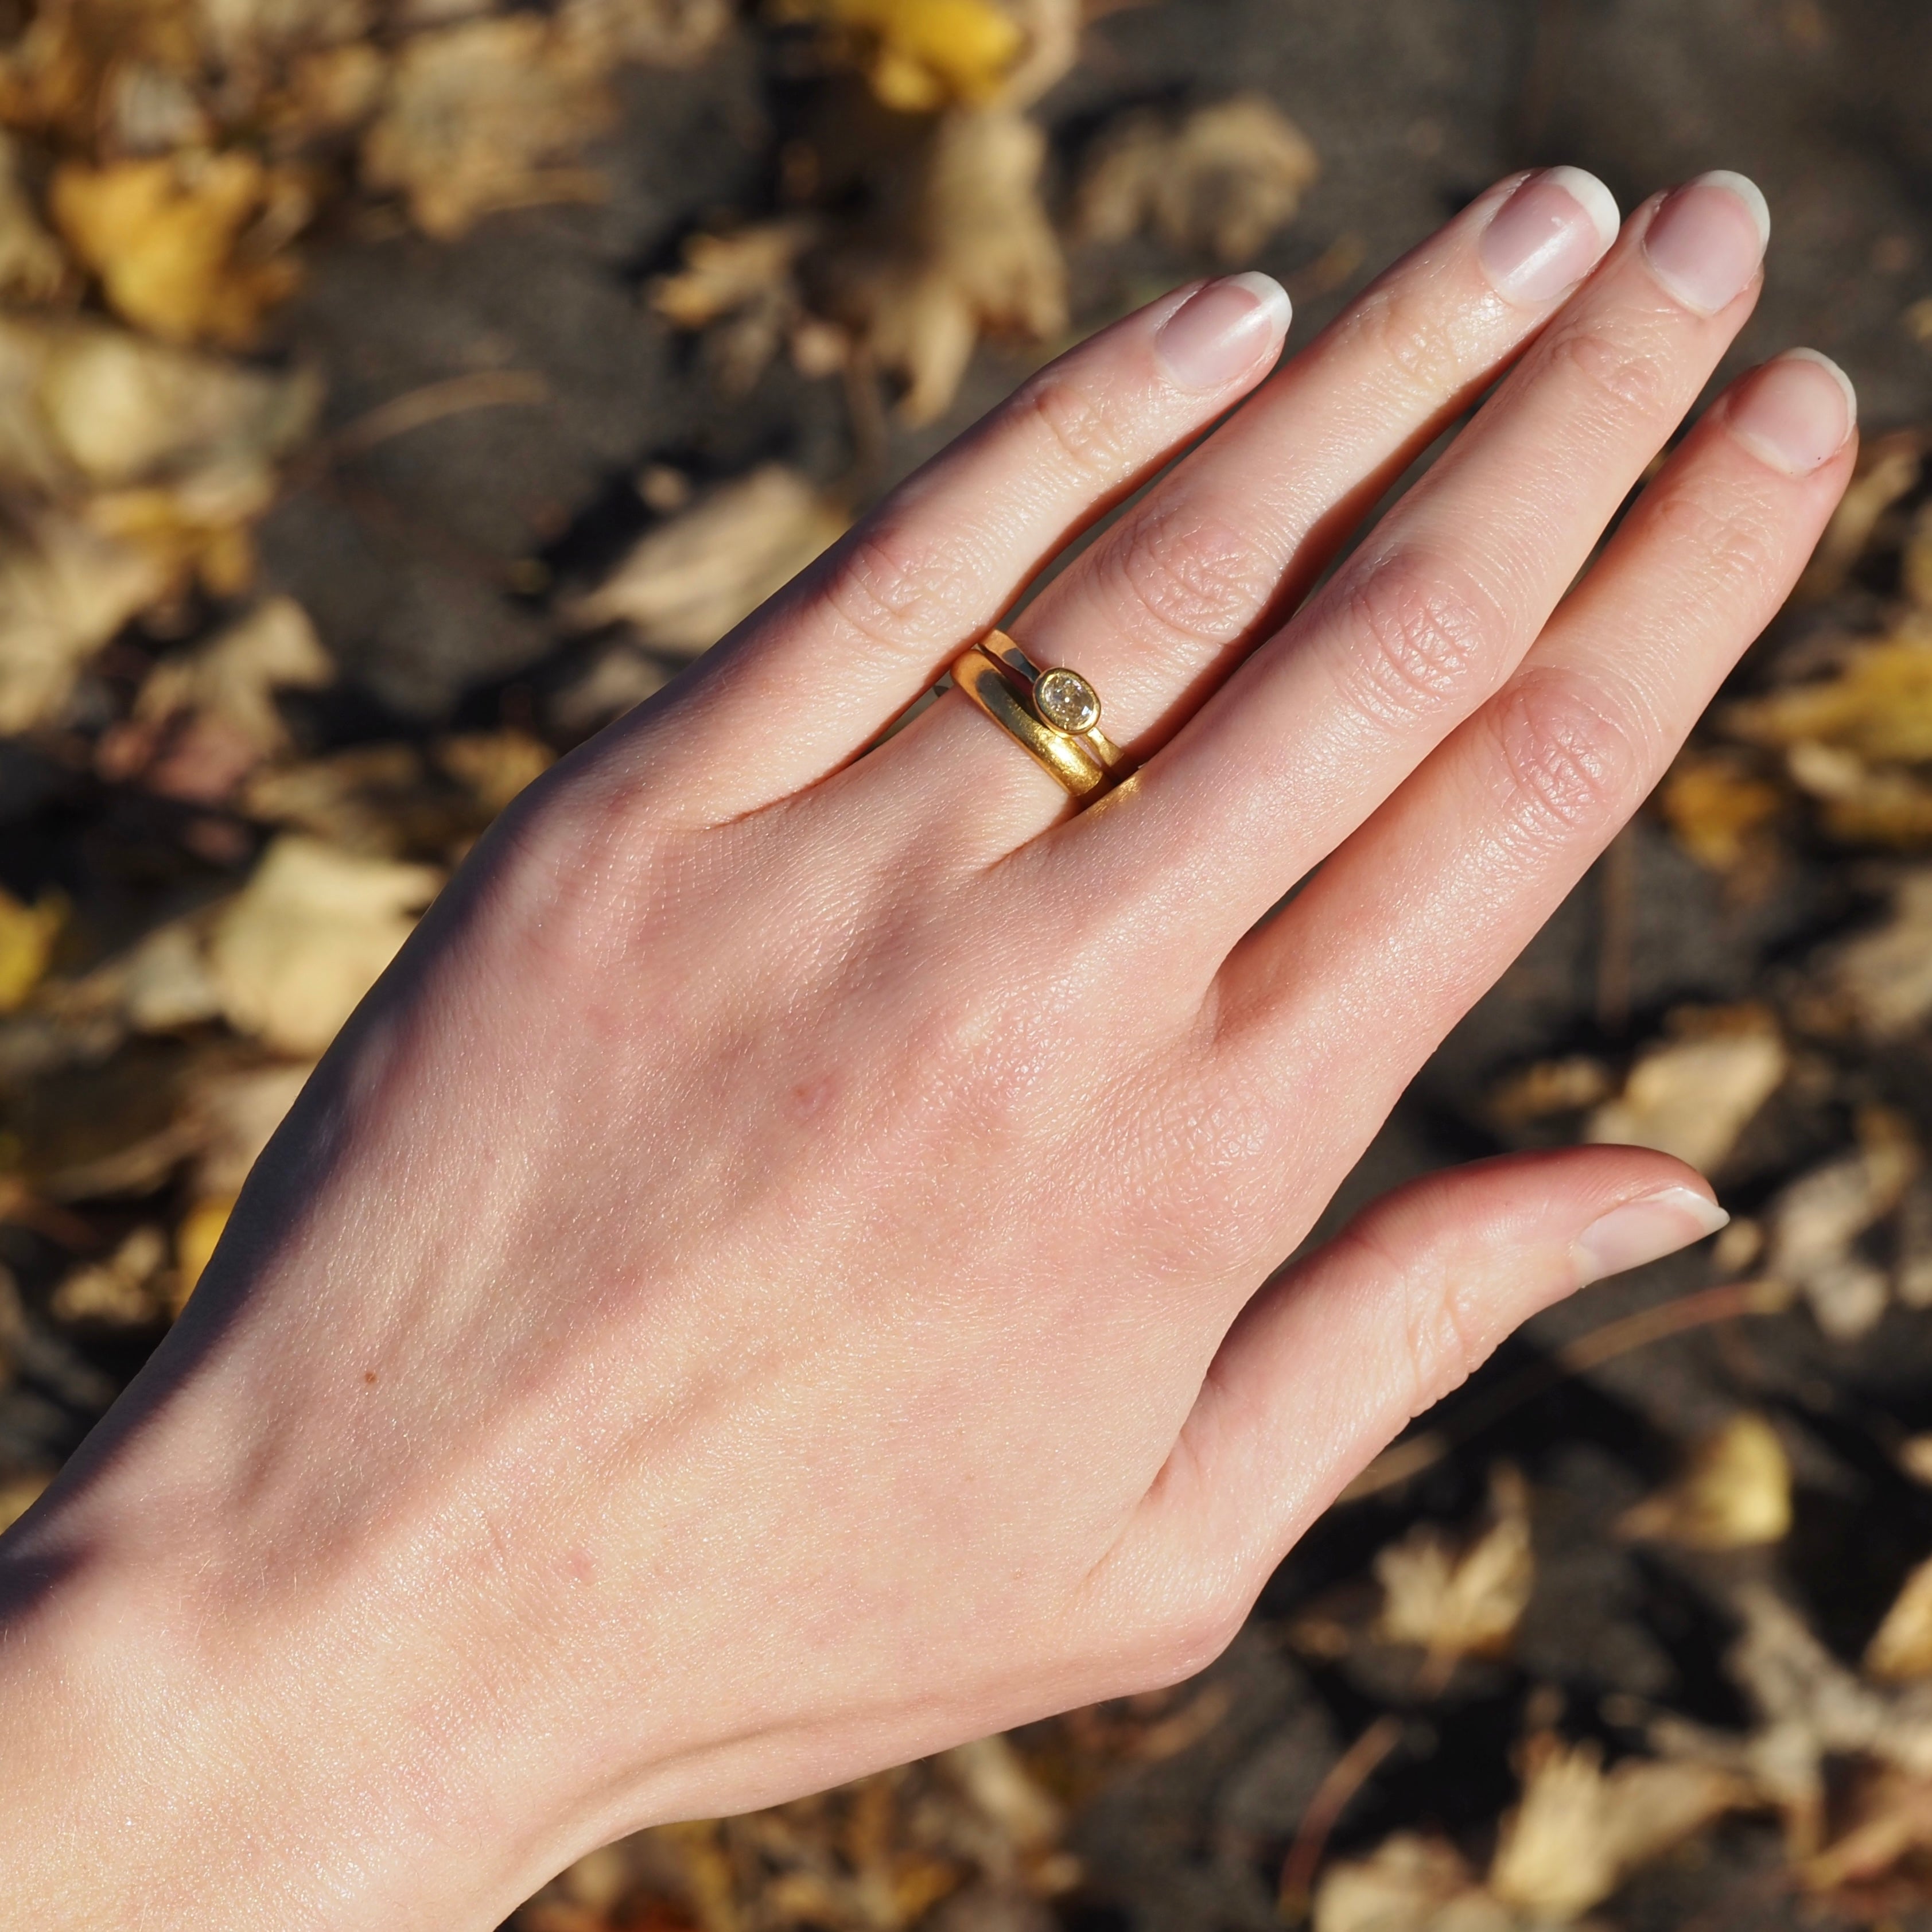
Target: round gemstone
1066, 701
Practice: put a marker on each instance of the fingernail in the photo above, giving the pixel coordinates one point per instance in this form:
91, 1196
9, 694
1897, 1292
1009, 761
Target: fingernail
1706, 240
1794, 412
1644, 1231
1223, 331
1549, 235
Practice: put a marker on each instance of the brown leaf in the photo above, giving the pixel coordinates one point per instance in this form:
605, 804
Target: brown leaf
203, 721
653, 33
1409, 1883
1716, 806
1693, 1096
1455, 1602
123, 1291
1220, 180
1734, 1491
294, 951
27, 936
1580, 1831
1882, 979
1879, 706
64, 590
687, 583
966, 250
32, 265
1813, 1221
170, 239
489, 114
1901, 1647
920, 55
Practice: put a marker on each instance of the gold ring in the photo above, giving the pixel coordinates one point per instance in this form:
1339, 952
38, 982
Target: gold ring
1055, 713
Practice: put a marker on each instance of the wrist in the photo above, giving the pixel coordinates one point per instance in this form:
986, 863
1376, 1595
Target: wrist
181, 1751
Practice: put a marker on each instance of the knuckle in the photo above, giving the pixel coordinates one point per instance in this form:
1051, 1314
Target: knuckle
1417, 334
1629, 376
1736, 541
1564, 766
1445, 1338
1413, 633
1195, 580
1078, 423
897, 589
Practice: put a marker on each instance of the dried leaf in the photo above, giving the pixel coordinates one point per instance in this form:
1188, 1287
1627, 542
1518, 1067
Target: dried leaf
89, 411
19, 1494
1901, 1647
64, 590
203, 721
195, 1241
1694, 1097
1460, 1602
169, 239
653, 33
493, 767
1879, 706
1734, 1491
1888, 468
968, 250
1565, 1086
296, 950
1580, 1831
31, 266
619, 677
27, 936
1862, 804
486, 115
1408, 1884
995, 1778
1888, 1817
690, 580
1813, 1221
1882, 979
743, 287
1219, 181
920, 55
123, 1291
1811, 1708
1715, 805
236, 1112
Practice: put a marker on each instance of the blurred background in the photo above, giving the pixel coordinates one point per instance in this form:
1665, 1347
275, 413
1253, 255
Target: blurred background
394, 391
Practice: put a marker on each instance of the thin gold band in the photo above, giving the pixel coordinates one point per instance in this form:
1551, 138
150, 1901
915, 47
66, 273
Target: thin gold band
999, 677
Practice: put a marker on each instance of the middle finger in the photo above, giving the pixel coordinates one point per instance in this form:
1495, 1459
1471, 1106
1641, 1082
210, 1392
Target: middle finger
1437, 605
1159, 606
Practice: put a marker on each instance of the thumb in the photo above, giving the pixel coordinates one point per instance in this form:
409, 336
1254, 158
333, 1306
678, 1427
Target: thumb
1327, 1362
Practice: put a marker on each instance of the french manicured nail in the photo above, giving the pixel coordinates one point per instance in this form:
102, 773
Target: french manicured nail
1644, 1231
1796, 413
1706, 240
1221, 332
1548, 235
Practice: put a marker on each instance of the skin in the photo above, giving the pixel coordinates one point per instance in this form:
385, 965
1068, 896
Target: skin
771, 1283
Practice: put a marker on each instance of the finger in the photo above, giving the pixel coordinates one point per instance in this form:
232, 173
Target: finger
1417, 916
1437, 605
857, 637
1417, 1293
1161, 605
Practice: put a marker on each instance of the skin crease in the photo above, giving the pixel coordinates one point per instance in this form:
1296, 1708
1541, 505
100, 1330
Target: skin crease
771, 1283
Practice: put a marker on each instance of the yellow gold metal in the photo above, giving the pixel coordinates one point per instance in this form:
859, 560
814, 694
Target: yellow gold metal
998, 691
1106, 753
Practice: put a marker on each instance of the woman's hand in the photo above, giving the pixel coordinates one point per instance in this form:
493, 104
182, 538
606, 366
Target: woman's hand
771, 1283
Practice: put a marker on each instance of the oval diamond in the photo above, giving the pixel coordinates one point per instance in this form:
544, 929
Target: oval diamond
1066, 701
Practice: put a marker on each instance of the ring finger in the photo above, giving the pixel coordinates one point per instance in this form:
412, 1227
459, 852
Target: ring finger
1163, 603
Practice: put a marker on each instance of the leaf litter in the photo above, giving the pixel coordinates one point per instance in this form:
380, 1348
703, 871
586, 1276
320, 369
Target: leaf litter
164, 167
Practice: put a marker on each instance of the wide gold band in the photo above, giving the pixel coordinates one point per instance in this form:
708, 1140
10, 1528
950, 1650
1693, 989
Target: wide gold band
999, 677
